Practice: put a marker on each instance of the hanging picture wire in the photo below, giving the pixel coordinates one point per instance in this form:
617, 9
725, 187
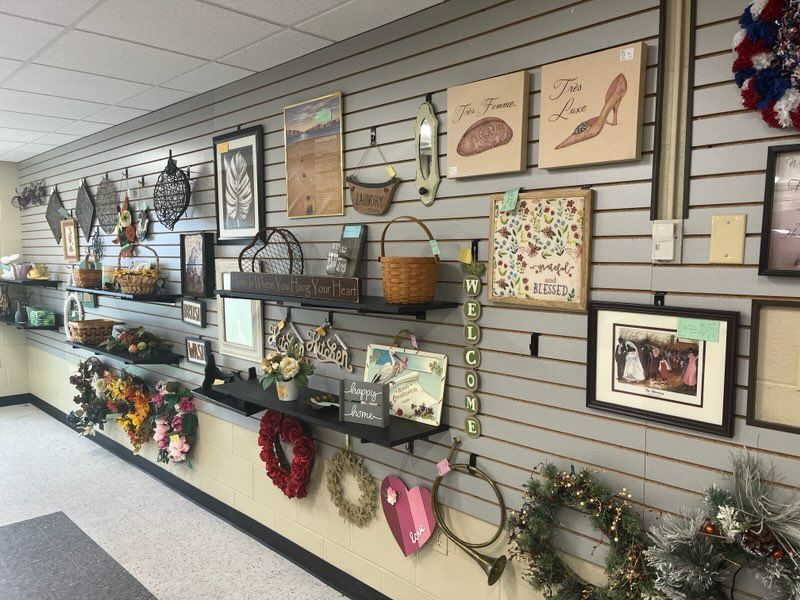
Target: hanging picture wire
171, 194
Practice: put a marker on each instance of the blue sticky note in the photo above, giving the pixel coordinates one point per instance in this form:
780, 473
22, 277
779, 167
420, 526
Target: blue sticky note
698, 329
352, 231
510, 200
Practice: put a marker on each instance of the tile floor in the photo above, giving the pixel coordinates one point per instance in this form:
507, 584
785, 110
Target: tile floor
173, 547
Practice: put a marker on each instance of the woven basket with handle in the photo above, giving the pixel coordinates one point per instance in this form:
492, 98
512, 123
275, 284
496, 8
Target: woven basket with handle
408, 279
90, 331
88, 278
135, 282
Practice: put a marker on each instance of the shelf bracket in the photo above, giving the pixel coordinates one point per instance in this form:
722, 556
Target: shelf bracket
658, 298
410, 447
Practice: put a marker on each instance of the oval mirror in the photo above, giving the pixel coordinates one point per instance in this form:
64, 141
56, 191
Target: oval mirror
425, 148
426, 132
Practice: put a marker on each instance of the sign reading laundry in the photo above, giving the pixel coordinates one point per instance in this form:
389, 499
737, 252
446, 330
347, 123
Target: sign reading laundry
372, 198
343, 289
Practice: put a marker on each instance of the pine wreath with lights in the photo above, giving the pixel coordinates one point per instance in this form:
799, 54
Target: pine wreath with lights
531, 527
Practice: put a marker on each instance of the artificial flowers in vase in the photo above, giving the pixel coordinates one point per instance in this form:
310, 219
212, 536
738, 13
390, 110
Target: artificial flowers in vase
289, 371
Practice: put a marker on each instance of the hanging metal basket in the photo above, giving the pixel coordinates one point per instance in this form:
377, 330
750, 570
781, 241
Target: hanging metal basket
171, 194
106, 205
272, 250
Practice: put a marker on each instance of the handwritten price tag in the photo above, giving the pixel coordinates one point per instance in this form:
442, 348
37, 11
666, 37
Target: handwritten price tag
435, 247
698, 329
510, 199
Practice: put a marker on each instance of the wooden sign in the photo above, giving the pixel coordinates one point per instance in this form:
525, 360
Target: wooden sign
197, 350
193, 312
342, 289
364, 403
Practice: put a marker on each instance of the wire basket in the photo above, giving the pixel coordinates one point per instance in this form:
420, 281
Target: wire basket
272, 250
137, 282
408, 279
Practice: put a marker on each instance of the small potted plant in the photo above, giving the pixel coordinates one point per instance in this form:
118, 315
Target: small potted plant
289, 371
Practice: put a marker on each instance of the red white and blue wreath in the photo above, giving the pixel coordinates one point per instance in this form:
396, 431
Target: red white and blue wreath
767, 65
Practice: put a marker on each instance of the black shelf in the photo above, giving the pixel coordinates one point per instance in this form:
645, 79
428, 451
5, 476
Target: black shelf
47, 283
367, 305
165, 358
245, 396
168, 298
9, 320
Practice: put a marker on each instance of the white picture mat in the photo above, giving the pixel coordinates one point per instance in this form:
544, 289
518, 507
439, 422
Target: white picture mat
241, 324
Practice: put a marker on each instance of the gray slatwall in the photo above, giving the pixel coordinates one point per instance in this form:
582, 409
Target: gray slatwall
532, 409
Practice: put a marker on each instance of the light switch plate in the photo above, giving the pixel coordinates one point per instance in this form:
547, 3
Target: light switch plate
727, 239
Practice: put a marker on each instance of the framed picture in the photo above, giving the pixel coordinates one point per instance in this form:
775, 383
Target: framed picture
193, 312
197, 350
540, 249
773, 391
592, 108
70, 242
314, 166
670, 365
415, 378
239, 183
197, 264
487, 126
241, 322
780, 225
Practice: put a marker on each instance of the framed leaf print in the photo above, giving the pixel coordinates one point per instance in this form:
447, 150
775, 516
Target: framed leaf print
239, 184
540, 249
240, 322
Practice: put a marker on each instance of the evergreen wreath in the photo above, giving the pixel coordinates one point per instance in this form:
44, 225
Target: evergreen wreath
742, 526
358, 513
532, 528
292, 478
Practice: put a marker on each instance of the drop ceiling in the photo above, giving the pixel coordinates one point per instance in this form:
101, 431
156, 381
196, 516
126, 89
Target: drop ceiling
70, 68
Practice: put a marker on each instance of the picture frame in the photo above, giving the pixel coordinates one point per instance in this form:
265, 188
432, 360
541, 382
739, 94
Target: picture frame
240, 322
193, 312
780, 244
197, 350
540, 250
239, 184
314, 159
663, 364
70, 241
364, 403
487, 126
773, 393
197, 264
416, 380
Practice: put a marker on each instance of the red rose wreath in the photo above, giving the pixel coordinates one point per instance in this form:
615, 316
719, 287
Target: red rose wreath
277, 427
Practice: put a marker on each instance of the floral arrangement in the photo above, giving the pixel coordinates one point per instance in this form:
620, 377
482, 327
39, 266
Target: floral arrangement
292, 364
125, 232
174, 422
93, 411
129, 396
767, 64
290, 479
137, 342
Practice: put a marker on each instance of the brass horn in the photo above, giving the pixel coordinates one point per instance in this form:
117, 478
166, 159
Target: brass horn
493, 567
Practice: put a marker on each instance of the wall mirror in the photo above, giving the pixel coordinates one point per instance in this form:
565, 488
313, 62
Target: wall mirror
426, 149
240, 322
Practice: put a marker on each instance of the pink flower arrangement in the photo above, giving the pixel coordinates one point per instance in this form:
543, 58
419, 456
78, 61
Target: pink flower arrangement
177, 423
185, 405
178, 447
161, 432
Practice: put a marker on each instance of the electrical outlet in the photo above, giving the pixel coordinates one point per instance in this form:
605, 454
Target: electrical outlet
440, 542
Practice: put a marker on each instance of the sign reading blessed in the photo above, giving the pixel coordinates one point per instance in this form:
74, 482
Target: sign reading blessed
364, 403
343, 289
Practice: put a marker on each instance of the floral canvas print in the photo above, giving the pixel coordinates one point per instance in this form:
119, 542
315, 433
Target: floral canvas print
540, 249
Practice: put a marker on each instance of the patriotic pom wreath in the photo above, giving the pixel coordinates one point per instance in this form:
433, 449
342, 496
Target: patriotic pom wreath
292, 478
767, 64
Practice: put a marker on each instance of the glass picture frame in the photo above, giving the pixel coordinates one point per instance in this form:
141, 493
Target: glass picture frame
780, 225
240, 322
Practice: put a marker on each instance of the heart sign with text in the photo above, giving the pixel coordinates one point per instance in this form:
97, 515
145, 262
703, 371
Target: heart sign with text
408, 513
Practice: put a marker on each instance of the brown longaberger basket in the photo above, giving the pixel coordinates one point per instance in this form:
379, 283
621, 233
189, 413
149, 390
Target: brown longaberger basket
135, 282
87, 278
408, 279
90, 331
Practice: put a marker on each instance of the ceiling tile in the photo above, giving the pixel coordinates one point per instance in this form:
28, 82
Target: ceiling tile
73, 84
6, 146
22, 38
52, 106
57, 138
34, 149
116, 58
82, 128
361, 15
7, 67
155, 98
280, 11
207, 77
16, 156
117, 114
62, 12
276, 49
17, 120
185, 26
18, 135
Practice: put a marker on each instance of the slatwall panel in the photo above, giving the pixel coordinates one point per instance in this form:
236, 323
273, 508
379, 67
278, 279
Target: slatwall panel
532, 409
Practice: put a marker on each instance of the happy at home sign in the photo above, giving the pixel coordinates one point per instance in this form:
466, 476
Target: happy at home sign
343, 289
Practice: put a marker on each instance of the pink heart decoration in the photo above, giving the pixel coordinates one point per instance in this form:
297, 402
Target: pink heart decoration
408, 513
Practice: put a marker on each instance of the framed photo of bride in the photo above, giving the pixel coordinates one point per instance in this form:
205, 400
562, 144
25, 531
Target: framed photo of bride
663, 364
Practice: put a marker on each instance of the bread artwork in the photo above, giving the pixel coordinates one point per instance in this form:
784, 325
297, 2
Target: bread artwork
483, 135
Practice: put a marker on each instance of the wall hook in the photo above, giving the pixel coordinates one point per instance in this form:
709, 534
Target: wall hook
125, 173
289, 314
429, 97
658, 298
373, 136
473, 460
239, 127
410, 447
330, 318
534, 345
475, 244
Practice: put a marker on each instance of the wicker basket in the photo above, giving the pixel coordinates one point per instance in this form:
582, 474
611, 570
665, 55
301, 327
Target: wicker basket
408, 279
90, 331
88, 278
133, 282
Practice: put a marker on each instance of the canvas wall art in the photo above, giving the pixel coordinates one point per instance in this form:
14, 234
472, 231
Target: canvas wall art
592, 108
197, 264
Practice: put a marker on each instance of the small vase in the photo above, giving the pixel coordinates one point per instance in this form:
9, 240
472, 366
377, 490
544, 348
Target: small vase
20, 317
287, 390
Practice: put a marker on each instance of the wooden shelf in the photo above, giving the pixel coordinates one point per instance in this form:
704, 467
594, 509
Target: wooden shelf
168, 298
367, 305
47, 283
9, 320
165, 358
245, 396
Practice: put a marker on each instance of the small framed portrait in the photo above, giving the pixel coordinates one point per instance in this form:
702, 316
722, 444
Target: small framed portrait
70, 243
197, 350
780, 225
670, 365
197, 264
193, 312
239, 184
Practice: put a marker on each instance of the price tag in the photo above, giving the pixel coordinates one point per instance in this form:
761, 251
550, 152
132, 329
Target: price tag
443, 466
222, 147
465, 255
323, 116
391, 171
510, 200
321, 331
698, 329
626, 54
174, 438
281, 325
352, 231
434, 247
63, 212
452, 171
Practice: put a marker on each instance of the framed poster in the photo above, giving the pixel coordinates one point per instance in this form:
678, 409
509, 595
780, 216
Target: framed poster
592, 108
670, 365
487, 126
313, 144
780, 225
70, 242
415, 378
193, 312
241, 322
540, 249
197, 350
239, 183
773, 391
197, 264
